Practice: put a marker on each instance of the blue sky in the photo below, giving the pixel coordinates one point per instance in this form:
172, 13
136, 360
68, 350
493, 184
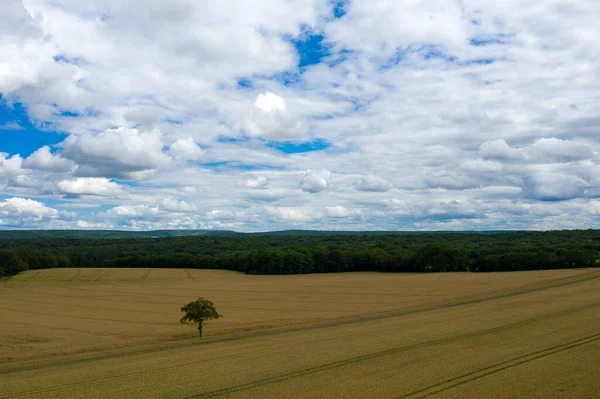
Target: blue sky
19, 134
311, 114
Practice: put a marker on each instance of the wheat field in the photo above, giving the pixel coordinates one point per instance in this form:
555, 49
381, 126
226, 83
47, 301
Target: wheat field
114, 333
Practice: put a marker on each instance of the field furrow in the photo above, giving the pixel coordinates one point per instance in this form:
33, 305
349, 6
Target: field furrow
417, 336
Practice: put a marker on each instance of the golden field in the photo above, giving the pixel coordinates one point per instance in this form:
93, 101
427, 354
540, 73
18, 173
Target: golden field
103, 333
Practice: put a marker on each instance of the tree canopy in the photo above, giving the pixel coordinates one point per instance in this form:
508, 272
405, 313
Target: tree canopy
199, 311
294, 254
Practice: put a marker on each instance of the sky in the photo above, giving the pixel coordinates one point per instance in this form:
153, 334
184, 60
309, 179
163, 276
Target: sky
256, 115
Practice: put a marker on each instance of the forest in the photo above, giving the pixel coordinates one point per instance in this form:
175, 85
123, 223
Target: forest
298, 252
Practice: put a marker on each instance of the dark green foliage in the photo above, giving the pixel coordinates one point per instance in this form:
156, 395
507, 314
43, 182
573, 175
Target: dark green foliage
199, 311
439, 258
11, 263
283, 253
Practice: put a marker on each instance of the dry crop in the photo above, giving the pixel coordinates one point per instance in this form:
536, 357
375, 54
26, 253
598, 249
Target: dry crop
101, 333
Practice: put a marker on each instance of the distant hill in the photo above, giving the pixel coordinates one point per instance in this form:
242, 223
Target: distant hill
123, 234
318, 233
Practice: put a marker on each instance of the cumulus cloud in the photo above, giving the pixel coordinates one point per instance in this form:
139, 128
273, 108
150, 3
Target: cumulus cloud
27, 181
481, 166
379, 23
451, 181
11, 165
89, 186
82, 224
337, 212
543, 150
133, 211
490, 122
499, 150
291, 214
219, 214
43, 159
117, 152
186, 149
172, 205
552, 186
558, 150
270, 118
374, 183
256, 182
144, 115
316, 180
26, 59
26, 210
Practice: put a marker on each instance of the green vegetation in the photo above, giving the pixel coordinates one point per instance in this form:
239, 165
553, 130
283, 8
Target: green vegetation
280, 253
11, 263
199, 311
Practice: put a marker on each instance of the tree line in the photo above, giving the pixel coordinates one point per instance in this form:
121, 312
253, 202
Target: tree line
271, 254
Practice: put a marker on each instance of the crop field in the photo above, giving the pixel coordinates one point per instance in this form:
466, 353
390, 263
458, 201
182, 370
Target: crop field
115, 333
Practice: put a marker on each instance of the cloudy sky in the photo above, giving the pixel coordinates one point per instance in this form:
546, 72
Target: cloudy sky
260, 115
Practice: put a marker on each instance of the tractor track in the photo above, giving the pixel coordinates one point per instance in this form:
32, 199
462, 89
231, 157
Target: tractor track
100, 299
77, 306
76, 276
189, 275
33, 277
416, 309
83, 318
318, 325
315, 369
29, 325
497, 294
498, 367
171, 368
100, 277
334, 365
145, 276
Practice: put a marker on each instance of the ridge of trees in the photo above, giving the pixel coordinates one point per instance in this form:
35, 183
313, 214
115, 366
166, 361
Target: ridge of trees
289, 254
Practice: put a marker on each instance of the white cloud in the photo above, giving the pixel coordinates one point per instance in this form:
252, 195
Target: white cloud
374, 183
172, 205
291, 214
400, 24
481, 166
89, 186
552, 186
316, 180
11, 126
256, 182
11, 165
84, 224
270, 118
337, 212
562, 150
186, 149
542, 150
43, 159
133, 211
270, 102
117, 152
500, 150
27, 181
478, 115
26, 210
25, 58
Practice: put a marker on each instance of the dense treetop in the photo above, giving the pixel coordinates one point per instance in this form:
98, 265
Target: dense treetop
290, 253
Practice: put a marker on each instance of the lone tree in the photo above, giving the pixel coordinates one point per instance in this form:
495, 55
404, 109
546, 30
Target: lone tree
198, 311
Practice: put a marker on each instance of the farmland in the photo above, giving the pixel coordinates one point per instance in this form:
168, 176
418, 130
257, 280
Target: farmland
100, 333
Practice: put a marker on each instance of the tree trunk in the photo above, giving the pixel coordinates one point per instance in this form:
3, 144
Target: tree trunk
200, 328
